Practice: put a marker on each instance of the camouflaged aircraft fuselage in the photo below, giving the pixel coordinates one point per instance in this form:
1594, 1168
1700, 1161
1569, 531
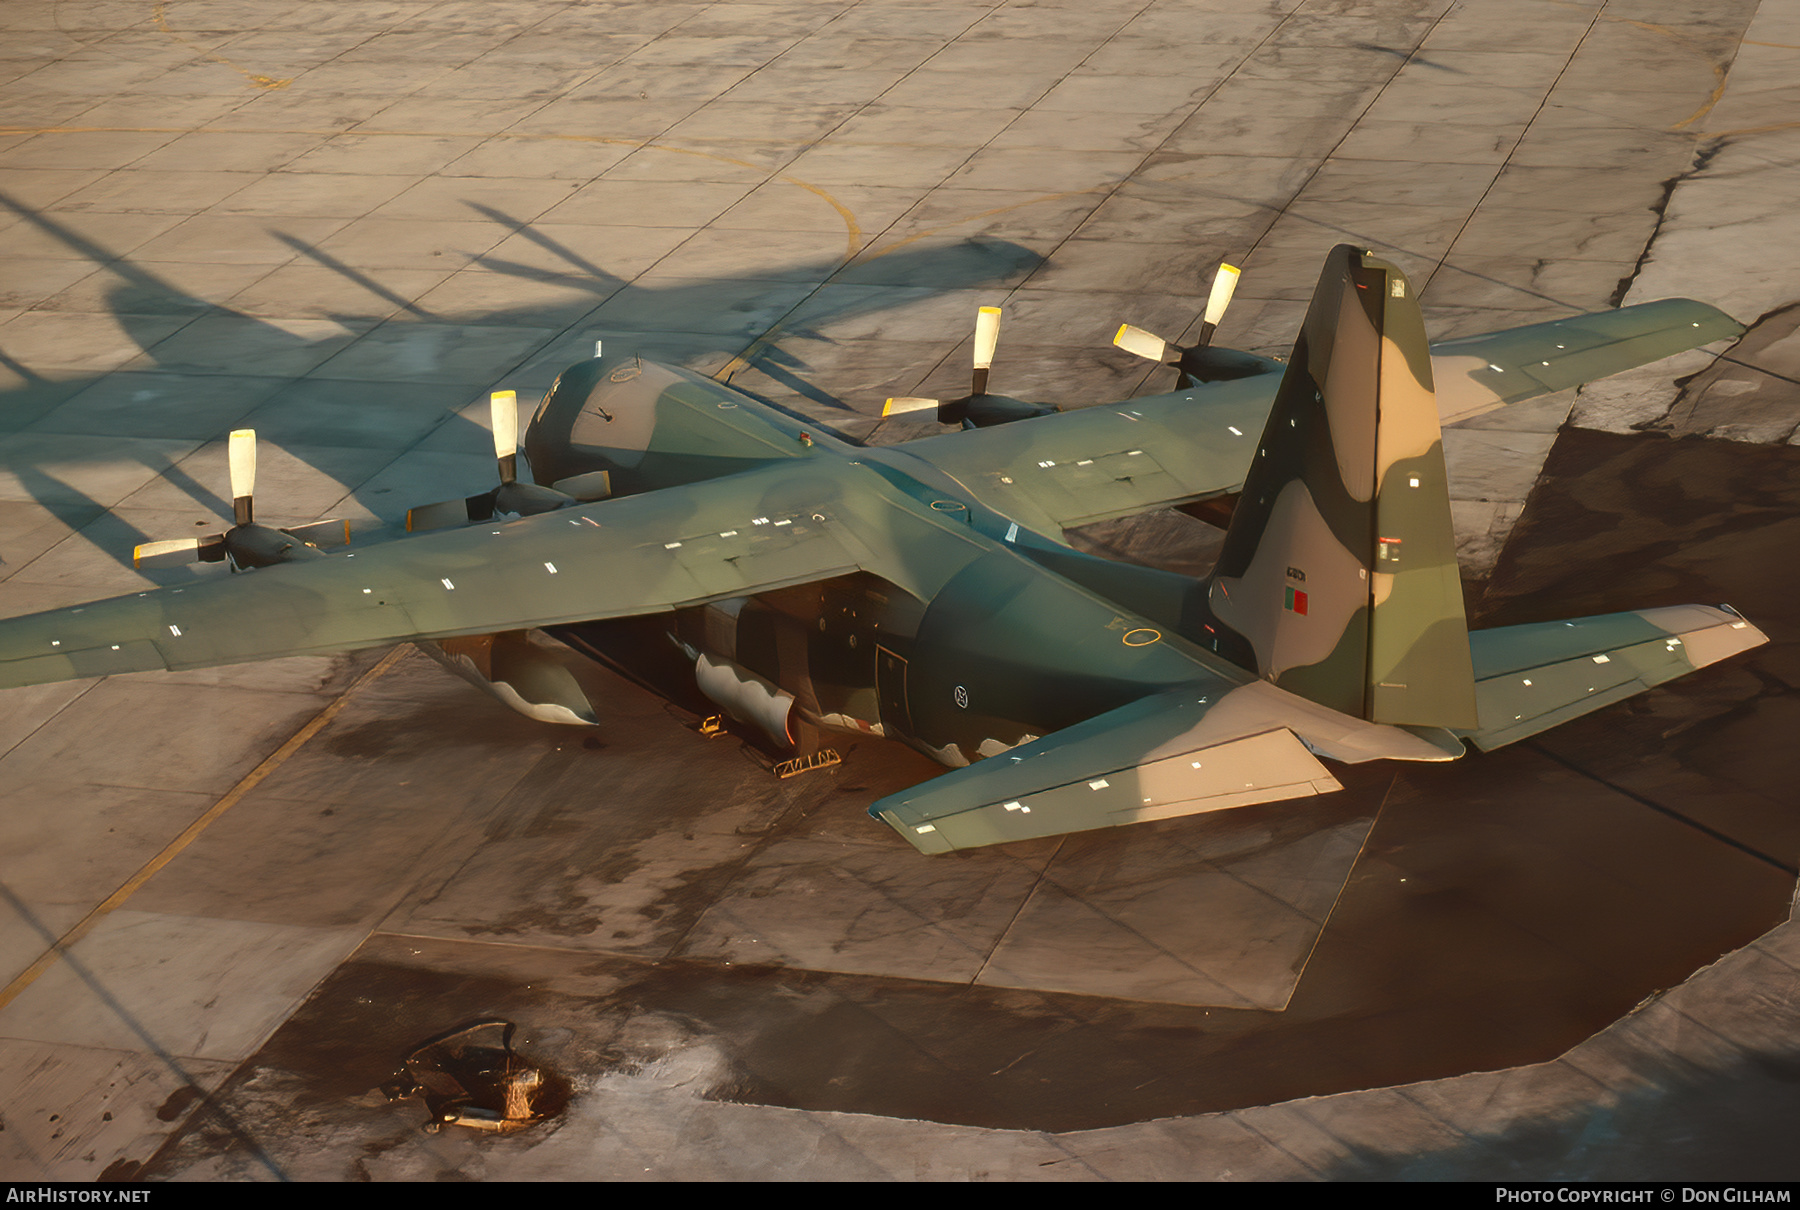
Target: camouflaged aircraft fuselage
975, 650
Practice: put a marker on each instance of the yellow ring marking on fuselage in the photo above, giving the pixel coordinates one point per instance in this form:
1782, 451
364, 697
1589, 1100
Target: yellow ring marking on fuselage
1138, 635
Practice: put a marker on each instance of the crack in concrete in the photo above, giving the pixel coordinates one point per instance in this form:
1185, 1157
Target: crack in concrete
1703, 156
1765, 331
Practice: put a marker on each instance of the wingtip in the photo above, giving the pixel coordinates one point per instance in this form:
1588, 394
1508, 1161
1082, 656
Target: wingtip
924, 837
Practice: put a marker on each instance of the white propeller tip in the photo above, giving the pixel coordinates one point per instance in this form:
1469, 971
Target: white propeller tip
1144, 344
1224, 283
905, 404
987, 336
169, 553
503, 407
240, 455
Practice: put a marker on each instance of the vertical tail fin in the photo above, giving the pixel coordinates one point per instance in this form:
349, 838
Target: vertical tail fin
1338, 579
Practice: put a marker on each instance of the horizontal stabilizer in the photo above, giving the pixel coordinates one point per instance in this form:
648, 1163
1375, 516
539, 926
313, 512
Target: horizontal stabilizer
1160, 757
1479, 373
1531, 678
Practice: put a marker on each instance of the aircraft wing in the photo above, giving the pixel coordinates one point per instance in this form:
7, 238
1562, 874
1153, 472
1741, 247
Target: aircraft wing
1479, 373
1115, 460
1094, 464
759, 530
1531, 678
1183, 752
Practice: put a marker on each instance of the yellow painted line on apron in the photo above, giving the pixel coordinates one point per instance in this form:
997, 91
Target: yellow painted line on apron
973, 218
160, 16
1686, 43
192, 832
853, 233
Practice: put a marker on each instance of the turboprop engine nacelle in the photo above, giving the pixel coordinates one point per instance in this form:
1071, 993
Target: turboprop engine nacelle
647, 426
507, 667
746, 697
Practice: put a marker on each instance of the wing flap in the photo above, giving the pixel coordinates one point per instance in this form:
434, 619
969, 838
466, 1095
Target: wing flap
1531, 678
79, 662
1094, 464
1163, 756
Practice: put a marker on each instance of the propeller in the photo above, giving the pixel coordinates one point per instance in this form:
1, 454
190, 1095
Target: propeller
1199, 362
510, 495
977, 409
245, 544
987, 339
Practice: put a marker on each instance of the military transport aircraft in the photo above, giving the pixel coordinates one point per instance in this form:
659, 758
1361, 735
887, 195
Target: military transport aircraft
923, 593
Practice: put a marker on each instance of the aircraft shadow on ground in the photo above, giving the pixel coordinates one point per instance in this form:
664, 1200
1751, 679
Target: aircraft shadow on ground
697, 320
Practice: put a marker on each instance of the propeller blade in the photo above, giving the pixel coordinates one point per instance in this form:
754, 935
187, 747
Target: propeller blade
241, 452
177, 552
503, 408
987, 337
1144, 344
246, 544
904, 404
1224, 283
